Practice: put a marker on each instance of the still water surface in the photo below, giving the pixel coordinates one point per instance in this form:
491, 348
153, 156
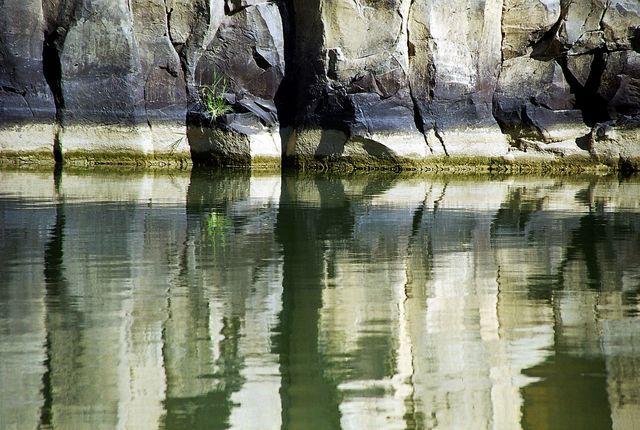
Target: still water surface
213, 301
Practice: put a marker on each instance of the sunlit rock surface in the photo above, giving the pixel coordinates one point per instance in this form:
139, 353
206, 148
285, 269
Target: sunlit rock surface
365, 83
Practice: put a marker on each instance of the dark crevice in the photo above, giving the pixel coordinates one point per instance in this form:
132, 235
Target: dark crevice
259, 59
180, 52
13, 90
170, 70
438, 135
511, 135
146, 110
59, 18
52, 68
418, 119
286, 95
593, 106
232, 7
549, 47
635, 40
417, 115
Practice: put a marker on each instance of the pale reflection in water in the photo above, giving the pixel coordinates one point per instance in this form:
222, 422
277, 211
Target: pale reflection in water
224, 300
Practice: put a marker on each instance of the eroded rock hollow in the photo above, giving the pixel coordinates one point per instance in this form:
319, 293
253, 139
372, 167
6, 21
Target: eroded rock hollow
367, 83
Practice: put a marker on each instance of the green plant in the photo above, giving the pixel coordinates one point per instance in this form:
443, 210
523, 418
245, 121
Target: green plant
213, 96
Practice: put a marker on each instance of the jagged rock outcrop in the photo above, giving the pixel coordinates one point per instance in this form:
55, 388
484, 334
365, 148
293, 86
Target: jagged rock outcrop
247, 53
564, 73
365, 81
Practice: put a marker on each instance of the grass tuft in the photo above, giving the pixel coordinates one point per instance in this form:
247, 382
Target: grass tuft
212, 96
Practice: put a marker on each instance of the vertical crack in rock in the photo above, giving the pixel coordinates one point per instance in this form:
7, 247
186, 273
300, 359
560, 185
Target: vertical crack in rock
422, 79
287, 91
494, 111
146, 106
635, 40
196, 30
411, 52
438, 135
592, 105
605, 9
179, 52
58, 18
549, 47
52, 69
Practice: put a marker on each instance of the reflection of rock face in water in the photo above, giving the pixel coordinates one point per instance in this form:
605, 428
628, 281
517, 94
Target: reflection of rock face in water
225, 300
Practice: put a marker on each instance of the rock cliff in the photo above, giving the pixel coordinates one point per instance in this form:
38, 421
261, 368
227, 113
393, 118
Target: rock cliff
363, 82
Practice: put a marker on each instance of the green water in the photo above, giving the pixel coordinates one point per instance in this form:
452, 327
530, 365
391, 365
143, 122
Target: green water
199, 301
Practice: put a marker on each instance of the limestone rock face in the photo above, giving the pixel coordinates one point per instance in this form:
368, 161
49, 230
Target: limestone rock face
165, 91
455, 73
27, 109
369, 82
352, 66
481, 78
106, 80
101, 80
525, 22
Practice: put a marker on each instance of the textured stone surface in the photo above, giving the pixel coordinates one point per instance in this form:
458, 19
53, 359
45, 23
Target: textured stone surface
27, 108
247, 53
561, 71
617, 142
460, 41
165, 92
380, 82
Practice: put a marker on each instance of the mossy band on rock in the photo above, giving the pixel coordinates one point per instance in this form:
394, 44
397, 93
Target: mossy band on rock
324, 84
470, 165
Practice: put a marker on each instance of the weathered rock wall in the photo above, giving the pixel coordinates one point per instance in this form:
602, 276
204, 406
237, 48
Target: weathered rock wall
367, 82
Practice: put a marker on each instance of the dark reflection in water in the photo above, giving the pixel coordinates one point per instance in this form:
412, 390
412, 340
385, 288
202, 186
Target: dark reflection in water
225, 300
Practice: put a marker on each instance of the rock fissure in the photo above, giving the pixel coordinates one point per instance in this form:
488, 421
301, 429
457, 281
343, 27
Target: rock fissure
438, 136
52, 70
549, 47
417, 115
177, 48
588, 101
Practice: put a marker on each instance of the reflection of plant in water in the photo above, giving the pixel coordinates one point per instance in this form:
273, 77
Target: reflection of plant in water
217, 224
